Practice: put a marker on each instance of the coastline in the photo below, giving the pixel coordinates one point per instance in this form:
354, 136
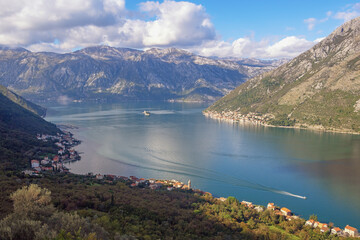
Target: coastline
153, 184
251, 118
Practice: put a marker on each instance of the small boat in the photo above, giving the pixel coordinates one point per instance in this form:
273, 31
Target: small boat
146, 113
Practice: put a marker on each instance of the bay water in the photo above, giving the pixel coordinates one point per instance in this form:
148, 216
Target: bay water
252, 163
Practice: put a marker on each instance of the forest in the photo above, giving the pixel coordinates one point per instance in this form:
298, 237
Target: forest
69, 206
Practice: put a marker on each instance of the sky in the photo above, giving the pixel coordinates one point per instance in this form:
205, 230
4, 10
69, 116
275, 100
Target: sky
229, 28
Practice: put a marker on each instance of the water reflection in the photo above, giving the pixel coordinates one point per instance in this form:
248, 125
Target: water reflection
251, 162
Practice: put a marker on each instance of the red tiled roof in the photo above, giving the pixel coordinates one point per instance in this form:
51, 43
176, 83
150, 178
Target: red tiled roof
337, 229
285, 210
350, 228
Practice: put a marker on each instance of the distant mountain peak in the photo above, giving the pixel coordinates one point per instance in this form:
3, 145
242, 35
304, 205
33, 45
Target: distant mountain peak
121, 73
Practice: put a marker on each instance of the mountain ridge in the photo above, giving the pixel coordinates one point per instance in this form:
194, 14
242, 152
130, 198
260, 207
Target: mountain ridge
318, 89
128, 74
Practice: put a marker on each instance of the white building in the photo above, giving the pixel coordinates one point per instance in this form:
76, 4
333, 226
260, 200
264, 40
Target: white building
353, 232
35, 163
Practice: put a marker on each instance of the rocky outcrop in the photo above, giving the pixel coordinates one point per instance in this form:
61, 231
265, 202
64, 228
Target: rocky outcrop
319, 88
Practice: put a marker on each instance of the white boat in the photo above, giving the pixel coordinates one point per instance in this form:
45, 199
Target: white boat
146, 113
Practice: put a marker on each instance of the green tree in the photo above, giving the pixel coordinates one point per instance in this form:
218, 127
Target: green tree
313, 217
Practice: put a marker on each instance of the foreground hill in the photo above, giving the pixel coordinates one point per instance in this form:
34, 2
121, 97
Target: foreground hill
18, 129
106, 72
22, 102
318, 89
84, 208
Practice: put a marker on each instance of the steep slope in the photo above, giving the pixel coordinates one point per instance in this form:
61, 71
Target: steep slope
18, 129
106, 72
23, 102
320, 88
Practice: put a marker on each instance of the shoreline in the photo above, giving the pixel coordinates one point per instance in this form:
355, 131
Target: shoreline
234, 117
99, 176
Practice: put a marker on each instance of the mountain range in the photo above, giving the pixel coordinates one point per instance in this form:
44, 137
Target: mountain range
318, 89
118, 73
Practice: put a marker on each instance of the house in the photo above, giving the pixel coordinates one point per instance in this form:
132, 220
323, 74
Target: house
353, 232
99, 176
133, 178
259, 208
271, 206
248, 204
324, 229
111, 177
321, 225
285, 211
56, 158
61, 152
169, 188
137, 182
44, 162
133, 185
35, 163
221, 199
177, 185
155, 186
316, 224
152, 180
336, 230
277, 212
310, 223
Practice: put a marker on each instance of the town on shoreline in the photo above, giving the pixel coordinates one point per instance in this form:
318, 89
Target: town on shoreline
65, 142
263, 120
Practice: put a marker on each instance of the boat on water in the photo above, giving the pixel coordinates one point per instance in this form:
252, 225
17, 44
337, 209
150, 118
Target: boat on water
146, 113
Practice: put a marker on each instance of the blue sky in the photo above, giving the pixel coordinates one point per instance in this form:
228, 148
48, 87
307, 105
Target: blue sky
267, 19
228, 28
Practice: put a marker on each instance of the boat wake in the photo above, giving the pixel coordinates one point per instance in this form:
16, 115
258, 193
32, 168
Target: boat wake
156, 163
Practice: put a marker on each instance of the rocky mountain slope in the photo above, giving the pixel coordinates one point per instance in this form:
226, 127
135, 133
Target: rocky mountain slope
320, 88
106, 72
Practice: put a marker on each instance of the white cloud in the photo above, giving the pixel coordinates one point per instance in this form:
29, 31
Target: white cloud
310, 22
37, 24
287, 47
64, 25
351, 11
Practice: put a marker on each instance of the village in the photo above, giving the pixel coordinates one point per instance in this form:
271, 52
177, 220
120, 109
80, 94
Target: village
170, 185
233, 116
55, 162
323, 227
65, 143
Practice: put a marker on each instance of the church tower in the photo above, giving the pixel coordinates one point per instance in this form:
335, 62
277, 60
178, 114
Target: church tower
189, 184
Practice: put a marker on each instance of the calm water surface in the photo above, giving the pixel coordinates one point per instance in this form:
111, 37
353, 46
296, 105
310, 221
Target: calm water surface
252, 163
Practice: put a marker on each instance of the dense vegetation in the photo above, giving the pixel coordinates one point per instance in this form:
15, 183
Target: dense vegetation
22, 102
81, 207
18, 129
